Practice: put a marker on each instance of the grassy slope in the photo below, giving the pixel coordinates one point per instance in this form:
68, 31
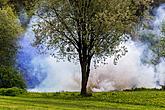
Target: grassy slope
137, 100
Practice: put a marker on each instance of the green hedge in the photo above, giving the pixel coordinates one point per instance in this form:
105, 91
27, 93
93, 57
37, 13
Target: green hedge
12, 91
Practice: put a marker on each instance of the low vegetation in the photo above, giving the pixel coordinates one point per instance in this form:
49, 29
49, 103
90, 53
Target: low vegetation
9, 77
123, 100
11, 91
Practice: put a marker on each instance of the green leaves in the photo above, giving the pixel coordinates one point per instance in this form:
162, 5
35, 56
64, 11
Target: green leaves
88, 28
99, 18
10, 29
9, 78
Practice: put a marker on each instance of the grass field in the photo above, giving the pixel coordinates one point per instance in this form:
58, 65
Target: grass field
124, 100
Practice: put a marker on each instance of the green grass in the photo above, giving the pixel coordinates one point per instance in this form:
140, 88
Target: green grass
124, 100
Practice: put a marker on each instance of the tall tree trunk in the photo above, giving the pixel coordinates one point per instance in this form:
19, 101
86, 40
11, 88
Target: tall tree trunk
85, 70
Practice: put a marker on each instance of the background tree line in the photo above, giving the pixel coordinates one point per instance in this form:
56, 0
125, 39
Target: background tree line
10, 30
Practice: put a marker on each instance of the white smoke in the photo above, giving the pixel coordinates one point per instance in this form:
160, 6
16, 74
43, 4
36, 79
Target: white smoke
159, 19
129, 73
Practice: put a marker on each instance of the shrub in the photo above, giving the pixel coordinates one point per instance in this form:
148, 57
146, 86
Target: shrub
9, 78
11, 91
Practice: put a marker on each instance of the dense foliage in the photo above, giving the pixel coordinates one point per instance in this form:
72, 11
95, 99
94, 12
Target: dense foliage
9, 31
11, 91
9, 77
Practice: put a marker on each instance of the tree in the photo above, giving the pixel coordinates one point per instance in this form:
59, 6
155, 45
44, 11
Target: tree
10, 29
158, 45
87, 29
9, 78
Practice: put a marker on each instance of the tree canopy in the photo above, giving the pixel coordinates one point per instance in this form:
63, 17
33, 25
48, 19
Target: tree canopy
10, 28
9, 77
86, 29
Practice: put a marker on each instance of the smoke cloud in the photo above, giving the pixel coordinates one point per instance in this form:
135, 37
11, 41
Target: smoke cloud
44, 74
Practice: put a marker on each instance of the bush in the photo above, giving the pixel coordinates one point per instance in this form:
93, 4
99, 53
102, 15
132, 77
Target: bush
9, 78
11, 91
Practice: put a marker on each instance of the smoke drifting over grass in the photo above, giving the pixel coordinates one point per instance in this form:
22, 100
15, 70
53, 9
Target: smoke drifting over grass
128, 73
48, 75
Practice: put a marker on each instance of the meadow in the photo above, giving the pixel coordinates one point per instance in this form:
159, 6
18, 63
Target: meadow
121, 100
